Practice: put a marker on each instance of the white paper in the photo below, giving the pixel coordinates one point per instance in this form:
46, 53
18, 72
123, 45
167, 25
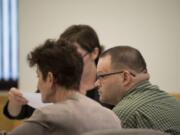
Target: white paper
34, 99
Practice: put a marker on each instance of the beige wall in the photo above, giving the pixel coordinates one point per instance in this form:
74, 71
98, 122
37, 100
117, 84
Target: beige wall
152, 26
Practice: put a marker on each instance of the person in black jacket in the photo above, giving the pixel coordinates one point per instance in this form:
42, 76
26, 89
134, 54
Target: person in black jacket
86, 40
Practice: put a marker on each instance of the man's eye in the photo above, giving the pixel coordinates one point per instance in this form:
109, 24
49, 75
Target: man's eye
99, 77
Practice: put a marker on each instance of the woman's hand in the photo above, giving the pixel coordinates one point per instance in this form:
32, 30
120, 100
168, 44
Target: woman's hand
16, 101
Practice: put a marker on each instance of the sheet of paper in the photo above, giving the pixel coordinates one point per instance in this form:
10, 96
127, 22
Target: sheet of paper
34, 99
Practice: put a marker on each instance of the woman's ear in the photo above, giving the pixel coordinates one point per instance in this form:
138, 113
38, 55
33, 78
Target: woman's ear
50, 78
95, 53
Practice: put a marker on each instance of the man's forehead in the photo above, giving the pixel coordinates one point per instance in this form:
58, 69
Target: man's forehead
104, 64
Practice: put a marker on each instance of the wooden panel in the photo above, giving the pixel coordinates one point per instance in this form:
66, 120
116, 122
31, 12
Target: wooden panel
5, 123
177, 95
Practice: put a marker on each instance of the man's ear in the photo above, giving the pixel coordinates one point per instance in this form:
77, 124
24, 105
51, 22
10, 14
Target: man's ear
126, 78
95, 53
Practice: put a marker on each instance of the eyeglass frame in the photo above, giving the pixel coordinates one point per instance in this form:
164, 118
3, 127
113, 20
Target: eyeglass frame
98, 77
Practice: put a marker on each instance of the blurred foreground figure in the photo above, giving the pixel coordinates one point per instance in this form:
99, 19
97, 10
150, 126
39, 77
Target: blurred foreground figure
59, 70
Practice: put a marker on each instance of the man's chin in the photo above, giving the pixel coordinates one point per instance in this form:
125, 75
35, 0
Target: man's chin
45, 101
102, 100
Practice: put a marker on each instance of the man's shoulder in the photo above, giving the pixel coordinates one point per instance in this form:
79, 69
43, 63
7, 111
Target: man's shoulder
76, 105
131, 104
76, 110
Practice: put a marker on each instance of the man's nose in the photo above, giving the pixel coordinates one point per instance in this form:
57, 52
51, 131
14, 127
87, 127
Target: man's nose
97, 83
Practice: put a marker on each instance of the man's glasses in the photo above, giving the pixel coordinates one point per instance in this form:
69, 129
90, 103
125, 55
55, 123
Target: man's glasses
101, 76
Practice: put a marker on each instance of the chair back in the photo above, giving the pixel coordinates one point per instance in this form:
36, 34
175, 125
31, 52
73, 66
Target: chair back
127, 132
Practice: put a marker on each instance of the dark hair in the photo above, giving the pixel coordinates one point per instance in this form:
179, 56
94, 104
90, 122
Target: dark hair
126, 57
84, 35
62, 59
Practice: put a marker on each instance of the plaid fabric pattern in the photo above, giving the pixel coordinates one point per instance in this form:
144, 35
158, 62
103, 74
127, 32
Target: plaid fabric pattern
148, 107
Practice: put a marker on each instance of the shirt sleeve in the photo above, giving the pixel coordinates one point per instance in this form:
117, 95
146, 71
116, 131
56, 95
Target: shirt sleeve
26, 111
134, 119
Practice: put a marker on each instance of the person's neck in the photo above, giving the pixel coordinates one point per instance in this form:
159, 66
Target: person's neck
139, 78
63, 94
87, 82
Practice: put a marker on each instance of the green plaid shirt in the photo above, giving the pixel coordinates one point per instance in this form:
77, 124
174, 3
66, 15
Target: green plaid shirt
148, 107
